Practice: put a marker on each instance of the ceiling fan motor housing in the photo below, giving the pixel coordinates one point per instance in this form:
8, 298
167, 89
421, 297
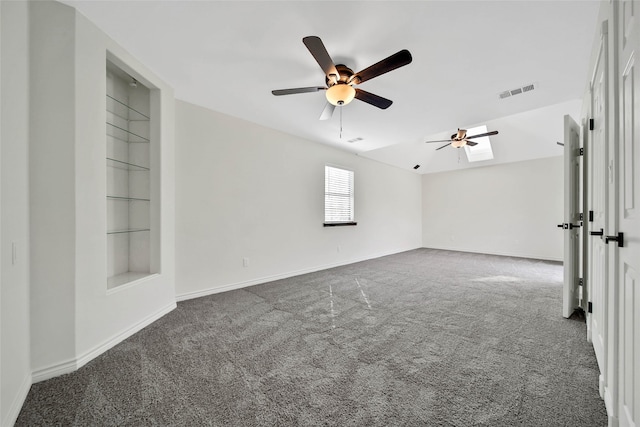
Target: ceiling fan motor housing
344, 76
462, 134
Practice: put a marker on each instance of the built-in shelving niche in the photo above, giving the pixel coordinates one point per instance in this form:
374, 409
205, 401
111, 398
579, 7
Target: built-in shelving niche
130, 233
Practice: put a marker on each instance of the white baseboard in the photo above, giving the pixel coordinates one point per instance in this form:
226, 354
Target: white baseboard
612, 412
626, 418
54, 370
18, 401
75, 364
499, 253
266, 279
98, 350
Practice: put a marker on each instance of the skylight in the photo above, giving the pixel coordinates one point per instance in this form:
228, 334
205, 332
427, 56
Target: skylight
483, 150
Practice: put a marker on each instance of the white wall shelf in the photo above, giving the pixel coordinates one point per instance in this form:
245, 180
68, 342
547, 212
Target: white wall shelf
132, 230
127, 199
122, 110
119, 164
124, 135
128, 192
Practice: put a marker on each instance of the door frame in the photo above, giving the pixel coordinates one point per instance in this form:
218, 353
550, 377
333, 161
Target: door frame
572, 225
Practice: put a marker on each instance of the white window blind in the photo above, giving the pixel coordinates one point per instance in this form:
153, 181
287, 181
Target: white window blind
338, 195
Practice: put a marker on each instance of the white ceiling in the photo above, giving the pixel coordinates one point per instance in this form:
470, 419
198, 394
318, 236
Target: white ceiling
229, 55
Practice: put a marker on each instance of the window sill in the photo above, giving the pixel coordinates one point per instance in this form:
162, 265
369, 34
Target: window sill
339, 224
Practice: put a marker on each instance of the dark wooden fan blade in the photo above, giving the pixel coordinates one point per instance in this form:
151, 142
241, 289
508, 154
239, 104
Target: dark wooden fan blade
375, 100
327, 112
471, 143
495, 132
440, 148
297, 90
441, 140
396, 60
319, 52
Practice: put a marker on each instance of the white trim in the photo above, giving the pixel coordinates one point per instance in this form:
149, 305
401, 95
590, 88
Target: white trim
589, 333
18, 401
130, 284
511, 254
266, 279
626, 419
610, 407
98, 350
78, 362
54, 371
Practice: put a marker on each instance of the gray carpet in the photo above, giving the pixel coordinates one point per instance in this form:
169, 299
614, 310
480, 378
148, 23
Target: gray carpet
421, 338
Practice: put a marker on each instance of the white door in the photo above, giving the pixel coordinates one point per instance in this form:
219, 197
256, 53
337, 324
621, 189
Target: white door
629, 215
597, 166
571, 224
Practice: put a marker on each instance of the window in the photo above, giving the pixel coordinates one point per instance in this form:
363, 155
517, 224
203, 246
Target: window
338, 196
483, 150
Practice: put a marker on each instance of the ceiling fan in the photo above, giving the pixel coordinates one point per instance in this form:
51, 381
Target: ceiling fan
460, 139
340, 79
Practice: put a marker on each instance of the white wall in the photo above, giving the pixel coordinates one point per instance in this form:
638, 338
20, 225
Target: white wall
246, 191
73, 316
105, 318
52, 195
15, 367
508, 209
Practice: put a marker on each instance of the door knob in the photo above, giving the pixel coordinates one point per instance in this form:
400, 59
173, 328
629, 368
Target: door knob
569, 226
619, 238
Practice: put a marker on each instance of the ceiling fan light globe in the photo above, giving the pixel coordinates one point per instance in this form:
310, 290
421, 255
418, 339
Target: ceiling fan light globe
340, 94
458, 144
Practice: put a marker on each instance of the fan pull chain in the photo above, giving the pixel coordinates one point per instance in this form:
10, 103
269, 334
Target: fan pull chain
340, 122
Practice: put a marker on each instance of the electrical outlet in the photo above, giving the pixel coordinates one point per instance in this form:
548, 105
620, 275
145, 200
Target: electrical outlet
245, 262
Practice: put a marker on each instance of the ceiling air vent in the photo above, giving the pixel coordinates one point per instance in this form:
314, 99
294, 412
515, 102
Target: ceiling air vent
355, 140
517, 91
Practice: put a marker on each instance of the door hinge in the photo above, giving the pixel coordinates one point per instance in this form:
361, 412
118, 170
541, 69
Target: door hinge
581, 152
591, 124
581, 216
580, 281
590, 216
590, 307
